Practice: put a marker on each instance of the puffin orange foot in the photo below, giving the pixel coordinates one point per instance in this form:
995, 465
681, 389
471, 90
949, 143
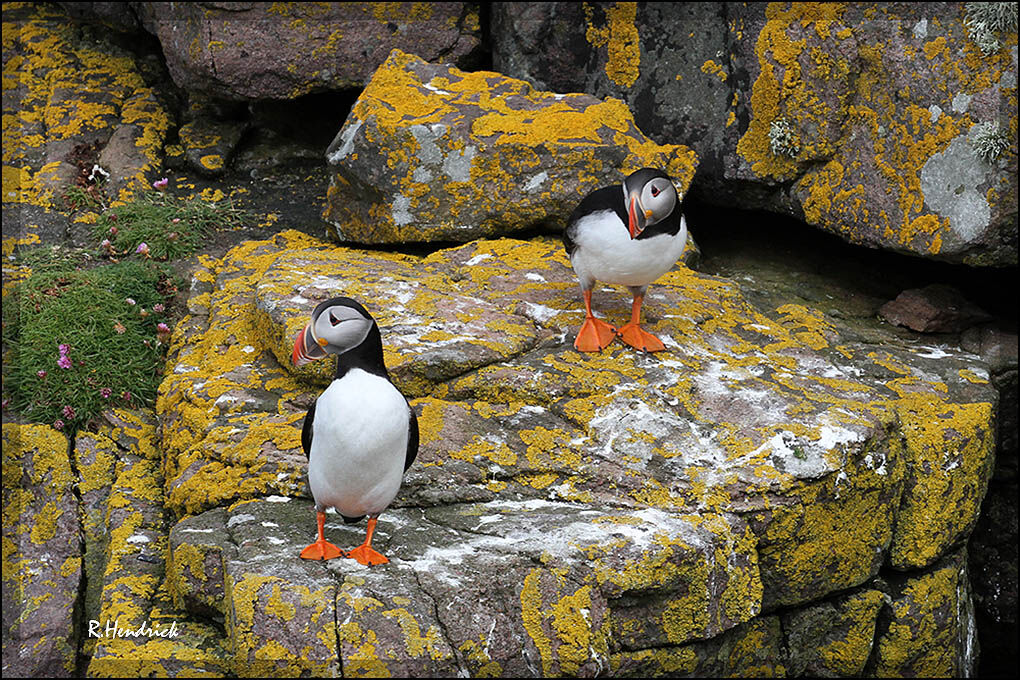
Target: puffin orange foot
638, 338
321, 550
366, 555
594, 336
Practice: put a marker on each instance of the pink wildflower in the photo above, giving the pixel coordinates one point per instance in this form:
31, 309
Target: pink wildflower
58, 424
64, 362
130, 301
105, 392
176, 220
69, 412
160, 184
125, 395
41, 373
142, 249
63, 349
158, 308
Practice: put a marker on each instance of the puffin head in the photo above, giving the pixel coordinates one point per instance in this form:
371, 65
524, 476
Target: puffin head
338, 325
650, 197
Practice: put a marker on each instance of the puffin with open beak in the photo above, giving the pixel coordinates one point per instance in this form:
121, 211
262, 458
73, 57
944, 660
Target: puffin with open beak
629, 234
361, 434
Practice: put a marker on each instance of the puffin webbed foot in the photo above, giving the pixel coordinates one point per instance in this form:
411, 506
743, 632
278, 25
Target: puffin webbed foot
638, 338
367, 555
321, 550
594, 335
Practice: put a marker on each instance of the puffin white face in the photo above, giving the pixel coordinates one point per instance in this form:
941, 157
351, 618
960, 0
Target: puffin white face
650, 197
335, 329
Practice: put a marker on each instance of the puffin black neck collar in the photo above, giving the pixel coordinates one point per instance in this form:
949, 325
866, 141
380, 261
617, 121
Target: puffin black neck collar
368, 356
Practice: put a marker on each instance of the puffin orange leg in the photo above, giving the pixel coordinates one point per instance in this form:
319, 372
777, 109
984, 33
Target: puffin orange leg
632, 333
321, 549
364, 552
594, 335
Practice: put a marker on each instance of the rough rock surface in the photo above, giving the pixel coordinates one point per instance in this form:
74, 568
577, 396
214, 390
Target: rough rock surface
867, 120
64, 87
249, 51
801, 459
432, 153
930, 632
42, 553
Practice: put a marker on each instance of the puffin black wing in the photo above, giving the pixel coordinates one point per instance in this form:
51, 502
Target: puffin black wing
607, 198
412, 438
306, 432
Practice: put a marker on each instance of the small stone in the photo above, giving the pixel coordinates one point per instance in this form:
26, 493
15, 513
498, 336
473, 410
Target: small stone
937, 308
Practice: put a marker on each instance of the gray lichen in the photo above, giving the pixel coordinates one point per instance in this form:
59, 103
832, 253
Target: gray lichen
782, 139
985, 20
989, 141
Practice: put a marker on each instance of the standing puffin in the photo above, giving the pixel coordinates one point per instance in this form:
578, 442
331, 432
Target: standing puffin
630, 235
361, 434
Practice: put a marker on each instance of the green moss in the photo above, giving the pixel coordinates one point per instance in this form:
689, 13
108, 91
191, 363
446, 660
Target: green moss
107, 319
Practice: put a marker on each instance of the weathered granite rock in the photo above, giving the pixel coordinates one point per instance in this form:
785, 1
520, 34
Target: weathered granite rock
833, 639
42, 554
938, 308
504, 588
888, 125
432, 153
248, 51
133, 593
667, 61
208, 142
65, 87
831, 450
929, 631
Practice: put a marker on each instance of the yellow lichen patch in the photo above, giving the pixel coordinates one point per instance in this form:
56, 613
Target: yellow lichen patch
922, 639
621, 39
846, 655
69, 90
418, 645
257, 597
950, 449
715, 69
561, 628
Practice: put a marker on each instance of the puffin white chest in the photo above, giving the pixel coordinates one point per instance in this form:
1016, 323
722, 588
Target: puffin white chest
359, 444
606, 252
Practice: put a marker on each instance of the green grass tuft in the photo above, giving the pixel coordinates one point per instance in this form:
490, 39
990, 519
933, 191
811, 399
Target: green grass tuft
114, 349
169, 227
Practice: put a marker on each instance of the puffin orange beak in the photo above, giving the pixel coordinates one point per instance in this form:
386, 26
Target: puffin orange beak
636, 223
306, 349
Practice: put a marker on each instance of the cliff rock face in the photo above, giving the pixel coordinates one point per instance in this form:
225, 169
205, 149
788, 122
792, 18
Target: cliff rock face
787, 490
625, 512
250, 50
893, 126
641, 503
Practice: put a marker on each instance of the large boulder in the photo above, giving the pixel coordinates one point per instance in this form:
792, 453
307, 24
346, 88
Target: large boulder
888, 125
797, 449
250, 51
432, 153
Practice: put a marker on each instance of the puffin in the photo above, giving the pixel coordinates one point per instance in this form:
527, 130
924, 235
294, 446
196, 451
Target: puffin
361, 434
629, 234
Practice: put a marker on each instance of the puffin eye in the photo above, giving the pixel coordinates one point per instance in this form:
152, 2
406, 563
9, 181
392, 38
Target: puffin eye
655, 191
333, 320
